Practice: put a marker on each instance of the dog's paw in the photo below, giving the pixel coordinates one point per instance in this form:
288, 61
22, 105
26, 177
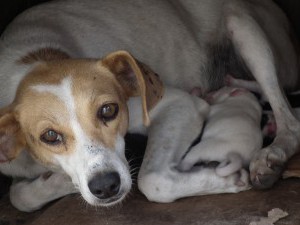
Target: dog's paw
266, 167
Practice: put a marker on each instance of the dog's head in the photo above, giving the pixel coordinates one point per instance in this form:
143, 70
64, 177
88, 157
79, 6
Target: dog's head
71, 114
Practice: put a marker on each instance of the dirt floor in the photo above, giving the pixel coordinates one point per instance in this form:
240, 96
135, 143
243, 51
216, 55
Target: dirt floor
233, 209
224, 209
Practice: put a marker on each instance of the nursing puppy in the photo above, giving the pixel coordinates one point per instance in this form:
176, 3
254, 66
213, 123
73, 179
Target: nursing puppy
65, 107
232, 132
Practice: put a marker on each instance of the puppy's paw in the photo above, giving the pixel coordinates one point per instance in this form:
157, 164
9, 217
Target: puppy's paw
231, 165
266, 167
237, 182
243, 180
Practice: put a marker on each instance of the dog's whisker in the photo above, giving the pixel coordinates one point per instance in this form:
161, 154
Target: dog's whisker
134, 158
134, 169
82, 202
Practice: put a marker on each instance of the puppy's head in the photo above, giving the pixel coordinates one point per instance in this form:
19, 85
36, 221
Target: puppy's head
72, 115
226, 93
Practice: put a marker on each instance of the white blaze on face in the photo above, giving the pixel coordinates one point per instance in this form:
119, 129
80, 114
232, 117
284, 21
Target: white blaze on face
88, 157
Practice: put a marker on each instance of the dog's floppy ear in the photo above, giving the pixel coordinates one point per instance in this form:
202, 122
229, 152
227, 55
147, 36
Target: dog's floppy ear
12, 141
137, 79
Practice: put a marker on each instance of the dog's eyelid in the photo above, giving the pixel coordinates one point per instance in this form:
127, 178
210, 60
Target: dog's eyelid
52, 137
108, 112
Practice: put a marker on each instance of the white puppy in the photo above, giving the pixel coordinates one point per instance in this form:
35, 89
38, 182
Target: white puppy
232, 133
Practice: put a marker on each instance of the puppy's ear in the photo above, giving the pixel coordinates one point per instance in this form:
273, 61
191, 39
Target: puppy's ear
12, 141
137, 79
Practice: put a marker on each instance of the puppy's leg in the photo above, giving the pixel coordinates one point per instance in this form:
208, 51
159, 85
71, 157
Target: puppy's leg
174, 126
251, 43
205, 151
252, 86
161, 181
247, 84
213, 150
31, 195
231, 165
169, 185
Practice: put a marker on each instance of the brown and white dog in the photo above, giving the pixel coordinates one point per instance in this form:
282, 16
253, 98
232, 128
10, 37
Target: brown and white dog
66, 110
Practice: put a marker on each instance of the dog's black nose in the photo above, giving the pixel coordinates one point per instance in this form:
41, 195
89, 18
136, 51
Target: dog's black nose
105, 185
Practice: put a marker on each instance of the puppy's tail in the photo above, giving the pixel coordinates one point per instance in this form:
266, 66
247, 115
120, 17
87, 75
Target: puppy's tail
231, 165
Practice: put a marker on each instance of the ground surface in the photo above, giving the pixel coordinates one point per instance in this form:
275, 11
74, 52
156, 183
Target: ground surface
225, 209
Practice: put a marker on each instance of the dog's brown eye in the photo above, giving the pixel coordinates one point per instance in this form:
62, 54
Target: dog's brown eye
51, 137
108, 112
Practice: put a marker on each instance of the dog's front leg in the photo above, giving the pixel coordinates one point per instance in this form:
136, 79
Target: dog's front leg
253, 45
175, 123
30, 195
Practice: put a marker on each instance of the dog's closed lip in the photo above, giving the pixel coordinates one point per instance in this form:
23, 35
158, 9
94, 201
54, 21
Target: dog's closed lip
113, 200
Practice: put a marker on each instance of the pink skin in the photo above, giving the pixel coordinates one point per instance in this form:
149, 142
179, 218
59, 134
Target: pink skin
196, 91
211, 96
269, 130
237, 92
253, 86
228, 80
221, 94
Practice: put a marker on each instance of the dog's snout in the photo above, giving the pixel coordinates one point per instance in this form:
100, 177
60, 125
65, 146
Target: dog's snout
105, 185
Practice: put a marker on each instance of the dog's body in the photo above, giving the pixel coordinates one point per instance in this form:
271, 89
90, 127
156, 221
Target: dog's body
232, 132
189, 43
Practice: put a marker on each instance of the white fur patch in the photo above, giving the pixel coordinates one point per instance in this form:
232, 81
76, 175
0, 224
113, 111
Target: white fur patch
88, 157
64, 92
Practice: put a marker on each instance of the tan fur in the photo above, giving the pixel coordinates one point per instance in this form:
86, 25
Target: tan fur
137, 80
12, 139
36, 116
94, 83
93, 86
43, 54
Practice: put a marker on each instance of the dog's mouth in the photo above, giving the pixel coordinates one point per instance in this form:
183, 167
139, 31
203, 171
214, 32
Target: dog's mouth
113, 200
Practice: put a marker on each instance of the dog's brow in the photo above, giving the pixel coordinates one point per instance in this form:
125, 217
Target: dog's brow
64, 92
